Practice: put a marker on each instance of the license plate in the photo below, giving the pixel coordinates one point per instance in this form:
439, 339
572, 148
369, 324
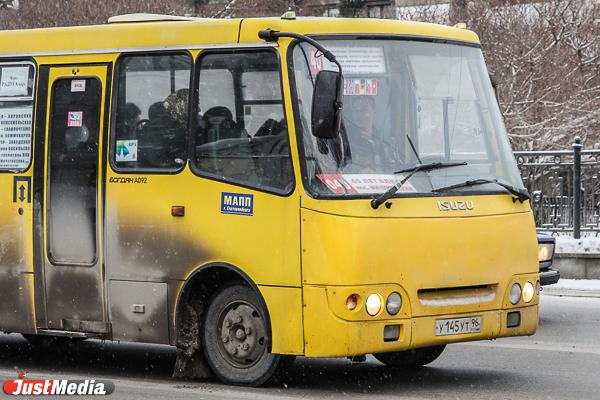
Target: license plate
457, 326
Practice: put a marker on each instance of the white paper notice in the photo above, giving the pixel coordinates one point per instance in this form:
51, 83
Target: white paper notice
15, 137
355, 60
363, 183
13, 81
78, 86
360, 60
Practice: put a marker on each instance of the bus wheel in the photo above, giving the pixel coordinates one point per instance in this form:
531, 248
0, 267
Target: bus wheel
236, 340
414, 358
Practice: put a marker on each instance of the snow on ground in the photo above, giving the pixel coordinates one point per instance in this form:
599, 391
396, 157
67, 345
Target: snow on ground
577, 284
574, 287
586, 245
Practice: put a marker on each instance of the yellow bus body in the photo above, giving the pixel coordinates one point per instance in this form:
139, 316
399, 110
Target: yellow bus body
305, 255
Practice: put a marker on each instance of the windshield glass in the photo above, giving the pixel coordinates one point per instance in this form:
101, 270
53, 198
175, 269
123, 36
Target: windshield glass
405, 103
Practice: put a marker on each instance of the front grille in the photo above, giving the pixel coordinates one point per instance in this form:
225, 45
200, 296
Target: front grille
454, 296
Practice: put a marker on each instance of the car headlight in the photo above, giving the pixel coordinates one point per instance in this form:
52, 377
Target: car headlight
373, 304
393, 303
515, 294
545, 252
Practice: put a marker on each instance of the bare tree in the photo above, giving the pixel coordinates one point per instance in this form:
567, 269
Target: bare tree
45, 13
352, 8
257, 8
9, 4
545, 58
544, 55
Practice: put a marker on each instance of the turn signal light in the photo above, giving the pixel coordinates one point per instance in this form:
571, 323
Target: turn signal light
352, 302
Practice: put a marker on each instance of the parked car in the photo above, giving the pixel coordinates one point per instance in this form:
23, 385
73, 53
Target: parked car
548, 274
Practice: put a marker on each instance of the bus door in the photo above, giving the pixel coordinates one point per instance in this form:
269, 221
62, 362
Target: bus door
73, 261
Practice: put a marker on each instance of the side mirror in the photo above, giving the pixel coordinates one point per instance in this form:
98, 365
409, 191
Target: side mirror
327, 105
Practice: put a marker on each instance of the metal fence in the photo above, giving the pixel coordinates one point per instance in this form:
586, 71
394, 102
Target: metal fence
552, 178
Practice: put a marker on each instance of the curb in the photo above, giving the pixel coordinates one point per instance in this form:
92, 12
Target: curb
561, 292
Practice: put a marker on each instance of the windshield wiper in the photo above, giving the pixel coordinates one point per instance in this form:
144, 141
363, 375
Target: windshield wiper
519, 194
375, 203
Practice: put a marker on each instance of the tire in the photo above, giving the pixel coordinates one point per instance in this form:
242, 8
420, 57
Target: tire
411, 359
236, 339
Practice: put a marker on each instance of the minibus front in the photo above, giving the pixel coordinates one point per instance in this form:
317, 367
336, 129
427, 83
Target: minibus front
416, 227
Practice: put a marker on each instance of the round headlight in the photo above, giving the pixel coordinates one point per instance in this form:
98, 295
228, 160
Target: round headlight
393, 303
373, 304
515, 293
528, 291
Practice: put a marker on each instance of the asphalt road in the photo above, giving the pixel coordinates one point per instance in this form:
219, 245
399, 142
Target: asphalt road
562, 361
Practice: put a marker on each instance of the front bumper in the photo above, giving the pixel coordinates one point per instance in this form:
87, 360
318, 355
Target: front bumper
549, 276
327, 335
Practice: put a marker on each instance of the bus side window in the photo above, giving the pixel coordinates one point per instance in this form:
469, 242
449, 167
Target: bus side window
151, 123
241, 134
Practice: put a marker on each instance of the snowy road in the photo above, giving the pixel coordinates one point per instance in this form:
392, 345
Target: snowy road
562, 361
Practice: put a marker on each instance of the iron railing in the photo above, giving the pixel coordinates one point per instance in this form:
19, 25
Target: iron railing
565, 189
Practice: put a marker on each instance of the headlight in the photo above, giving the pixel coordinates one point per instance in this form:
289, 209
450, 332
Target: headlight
373, 304
528, 291
393, 303
545, 252
515, 294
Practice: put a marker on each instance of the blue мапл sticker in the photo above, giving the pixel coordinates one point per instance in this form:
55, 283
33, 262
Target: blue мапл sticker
236, 203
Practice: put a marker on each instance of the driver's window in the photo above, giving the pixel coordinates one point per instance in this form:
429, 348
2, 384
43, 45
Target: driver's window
241, 132
151, 121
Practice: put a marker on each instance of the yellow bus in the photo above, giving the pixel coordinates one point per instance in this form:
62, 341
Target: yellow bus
250, 190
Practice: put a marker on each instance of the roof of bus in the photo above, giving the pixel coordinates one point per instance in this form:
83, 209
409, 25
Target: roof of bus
125, 35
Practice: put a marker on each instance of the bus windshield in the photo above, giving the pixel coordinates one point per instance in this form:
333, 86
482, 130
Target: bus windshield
405, 103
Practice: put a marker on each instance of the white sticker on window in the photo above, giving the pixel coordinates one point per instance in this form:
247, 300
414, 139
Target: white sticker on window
363, 183
126, 150
13, 81
354, 60
78, 86
75, 119
360, 87
15, 137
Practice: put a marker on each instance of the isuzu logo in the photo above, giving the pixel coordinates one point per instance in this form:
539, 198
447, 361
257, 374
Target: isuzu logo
456, 205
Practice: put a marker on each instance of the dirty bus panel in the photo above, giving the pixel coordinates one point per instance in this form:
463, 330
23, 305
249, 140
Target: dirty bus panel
16, 134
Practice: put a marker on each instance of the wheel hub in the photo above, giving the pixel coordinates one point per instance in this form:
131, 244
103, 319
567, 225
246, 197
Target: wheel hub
243, 335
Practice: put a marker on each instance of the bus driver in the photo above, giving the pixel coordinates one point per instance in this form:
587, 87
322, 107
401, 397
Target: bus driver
365, 143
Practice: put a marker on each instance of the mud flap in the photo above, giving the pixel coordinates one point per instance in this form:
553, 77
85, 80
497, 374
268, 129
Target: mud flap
191, 363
